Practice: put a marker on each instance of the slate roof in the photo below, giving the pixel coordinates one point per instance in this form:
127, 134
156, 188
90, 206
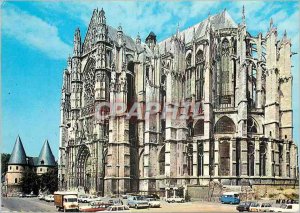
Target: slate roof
219, 21
46, 157
18, 155
112, 34
32, 161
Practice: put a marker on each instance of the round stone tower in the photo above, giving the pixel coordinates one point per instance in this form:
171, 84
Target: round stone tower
16, 166
46, 159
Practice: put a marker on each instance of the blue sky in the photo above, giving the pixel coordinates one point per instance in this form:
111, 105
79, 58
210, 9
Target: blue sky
37, 39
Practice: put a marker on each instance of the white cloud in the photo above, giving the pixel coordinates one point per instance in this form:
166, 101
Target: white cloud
34, 32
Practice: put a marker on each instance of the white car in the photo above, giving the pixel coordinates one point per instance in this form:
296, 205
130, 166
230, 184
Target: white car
49, 198
117, 208
81, 198
175, 199
286, 208
153, 202
90, 199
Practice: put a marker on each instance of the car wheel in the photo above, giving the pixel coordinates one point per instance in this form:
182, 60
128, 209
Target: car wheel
173, 201
136, 206
182, 201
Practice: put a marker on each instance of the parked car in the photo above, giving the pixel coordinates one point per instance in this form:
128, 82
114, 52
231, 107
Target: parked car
41, 197
264, 207
49, 198
118, 208
124, 196
22, 195
244, 206
81, 198
175, 200
286, 208
155, 196
90, 199
95, 207
30, 195
137, 202
153, 202
230, 198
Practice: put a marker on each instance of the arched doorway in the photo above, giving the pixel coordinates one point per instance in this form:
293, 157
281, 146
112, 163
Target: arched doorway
84, 168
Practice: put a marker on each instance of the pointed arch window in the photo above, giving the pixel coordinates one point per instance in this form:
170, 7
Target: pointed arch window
199, 75
224, 84
225, 125
89, 82
251, 126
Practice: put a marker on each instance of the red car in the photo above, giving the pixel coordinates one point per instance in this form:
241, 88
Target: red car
96, 207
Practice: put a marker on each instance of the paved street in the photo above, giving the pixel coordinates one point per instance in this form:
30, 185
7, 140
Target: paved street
35, 205
26, 205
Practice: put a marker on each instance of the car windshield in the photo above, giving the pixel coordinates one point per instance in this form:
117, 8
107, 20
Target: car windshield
139, 198
72, 199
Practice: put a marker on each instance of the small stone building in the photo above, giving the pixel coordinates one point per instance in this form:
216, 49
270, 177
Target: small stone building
19, 161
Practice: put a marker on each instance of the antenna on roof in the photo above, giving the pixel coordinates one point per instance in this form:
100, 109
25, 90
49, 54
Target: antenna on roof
177, 30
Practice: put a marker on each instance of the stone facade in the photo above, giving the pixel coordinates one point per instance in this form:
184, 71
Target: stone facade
242, 132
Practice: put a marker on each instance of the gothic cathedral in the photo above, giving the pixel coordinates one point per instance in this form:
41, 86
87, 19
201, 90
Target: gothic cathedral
242, 131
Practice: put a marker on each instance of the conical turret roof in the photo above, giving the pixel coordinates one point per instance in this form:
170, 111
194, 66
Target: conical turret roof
18, 155
46, 157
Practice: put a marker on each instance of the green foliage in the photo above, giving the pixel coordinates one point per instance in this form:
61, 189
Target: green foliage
30, 181
4, 160
49, 180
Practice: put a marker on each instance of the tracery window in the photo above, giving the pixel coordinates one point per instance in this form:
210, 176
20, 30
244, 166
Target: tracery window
225, 74
251, 126
225, 125
89, 83
199, 75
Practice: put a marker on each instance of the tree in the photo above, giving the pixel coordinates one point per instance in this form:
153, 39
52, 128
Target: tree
30, 181
4, 160
49, 180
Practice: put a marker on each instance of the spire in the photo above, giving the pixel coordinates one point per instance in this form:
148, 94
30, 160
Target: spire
194, 34
271, 23
18, 155
284, 34
102, 18
243, 15
46, 157
77, 43
138, 39
177, 31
